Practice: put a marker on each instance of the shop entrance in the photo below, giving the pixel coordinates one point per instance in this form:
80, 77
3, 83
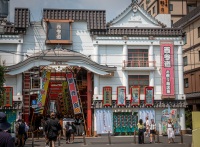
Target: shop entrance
124, 123
58, 94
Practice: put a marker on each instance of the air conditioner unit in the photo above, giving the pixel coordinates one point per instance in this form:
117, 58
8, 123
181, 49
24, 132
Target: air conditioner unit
17, 98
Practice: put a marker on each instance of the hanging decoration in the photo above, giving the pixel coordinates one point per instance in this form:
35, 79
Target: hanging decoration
121, 96
135, 95
8, 96
149, 96
107, 96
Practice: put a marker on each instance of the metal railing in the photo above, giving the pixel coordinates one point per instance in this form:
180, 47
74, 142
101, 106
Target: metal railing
138, 63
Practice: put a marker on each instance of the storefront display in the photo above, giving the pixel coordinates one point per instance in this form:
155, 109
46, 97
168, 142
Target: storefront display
124, 123
170, 114
104, 120
150, 113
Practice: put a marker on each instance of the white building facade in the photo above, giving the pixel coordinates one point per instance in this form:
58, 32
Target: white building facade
133, 65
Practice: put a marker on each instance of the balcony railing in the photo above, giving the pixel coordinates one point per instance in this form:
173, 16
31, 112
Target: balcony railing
138, 63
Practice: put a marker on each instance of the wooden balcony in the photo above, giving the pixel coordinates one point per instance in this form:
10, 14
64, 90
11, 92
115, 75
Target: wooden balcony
138, 63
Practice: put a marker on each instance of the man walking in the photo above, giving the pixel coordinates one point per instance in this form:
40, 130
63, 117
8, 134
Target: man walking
5, 138
52, 129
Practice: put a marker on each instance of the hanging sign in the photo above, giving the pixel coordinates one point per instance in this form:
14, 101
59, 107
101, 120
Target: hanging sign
43, 93
73, 93
135, 95
149, 96
121, 95
167, 58
8, 96
107, 96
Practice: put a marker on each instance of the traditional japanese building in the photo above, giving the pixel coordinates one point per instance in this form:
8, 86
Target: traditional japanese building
73, 62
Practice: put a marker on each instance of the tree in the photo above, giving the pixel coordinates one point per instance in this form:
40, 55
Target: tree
2, 80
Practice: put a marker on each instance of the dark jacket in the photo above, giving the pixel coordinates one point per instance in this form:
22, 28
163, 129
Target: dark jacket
6, 140
52, 128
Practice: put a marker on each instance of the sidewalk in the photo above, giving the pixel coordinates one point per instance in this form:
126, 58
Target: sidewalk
116, 141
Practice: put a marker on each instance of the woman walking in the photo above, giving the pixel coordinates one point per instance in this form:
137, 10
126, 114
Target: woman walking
140, 132
170, 131
152, 131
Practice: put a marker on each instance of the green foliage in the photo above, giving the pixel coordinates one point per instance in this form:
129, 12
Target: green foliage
188, 118
2, 80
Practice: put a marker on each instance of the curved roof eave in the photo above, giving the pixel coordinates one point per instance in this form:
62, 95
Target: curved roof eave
73, 60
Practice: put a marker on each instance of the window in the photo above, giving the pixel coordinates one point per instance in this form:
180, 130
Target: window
170, 7
185, 63
139, 80
35, 83
185, 38
199, 55
154, 10
149, 12
186, 84
198, 32
138, 58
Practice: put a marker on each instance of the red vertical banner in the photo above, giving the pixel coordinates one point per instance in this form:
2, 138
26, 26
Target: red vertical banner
121, 95
135, 95
73, 93
149, 96
167, 62
107, 96
8, 96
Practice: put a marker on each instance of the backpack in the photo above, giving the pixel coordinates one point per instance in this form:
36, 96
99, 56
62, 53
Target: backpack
21, 129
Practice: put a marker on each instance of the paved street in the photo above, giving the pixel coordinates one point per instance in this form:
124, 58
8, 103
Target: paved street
125, 141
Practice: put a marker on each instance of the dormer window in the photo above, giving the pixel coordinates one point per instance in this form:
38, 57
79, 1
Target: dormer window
58, 31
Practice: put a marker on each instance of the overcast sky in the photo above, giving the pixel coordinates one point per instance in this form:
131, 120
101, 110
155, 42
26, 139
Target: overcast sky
112, 7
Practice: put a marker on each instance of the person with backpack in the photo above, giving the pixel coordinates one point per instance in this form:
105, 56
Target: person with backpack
52, 129
20, 129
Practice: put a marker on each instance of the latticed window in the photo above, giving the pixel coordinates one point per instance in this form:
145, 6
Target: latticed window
139, 80
138, 57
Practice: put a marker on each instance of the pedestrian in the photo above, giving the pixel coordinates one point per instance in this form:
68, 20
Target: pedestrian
147, 127
81, 121
77, 125
52, 129
20, 129
6, 139
170, 131
64, 124
152, 131
26, 132
140, 132
70, 130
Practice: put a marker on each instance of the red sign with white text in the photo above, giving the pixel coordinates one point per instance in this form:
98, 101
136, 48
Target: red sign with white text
167, 60
73, 93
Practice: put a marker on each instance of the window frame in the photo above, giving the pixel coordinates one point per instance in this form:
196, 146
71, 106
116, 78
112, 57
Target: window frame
185, 63
171, 7
186, 83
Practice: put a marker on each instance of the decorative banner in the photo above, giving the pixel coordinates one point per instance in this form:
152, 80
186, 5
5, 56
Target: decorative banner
135, 95
149, 96
43, 93
150, 113
8, 96
73, 93
167, 59
172, 114
107, 96
121, 95
103, 120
